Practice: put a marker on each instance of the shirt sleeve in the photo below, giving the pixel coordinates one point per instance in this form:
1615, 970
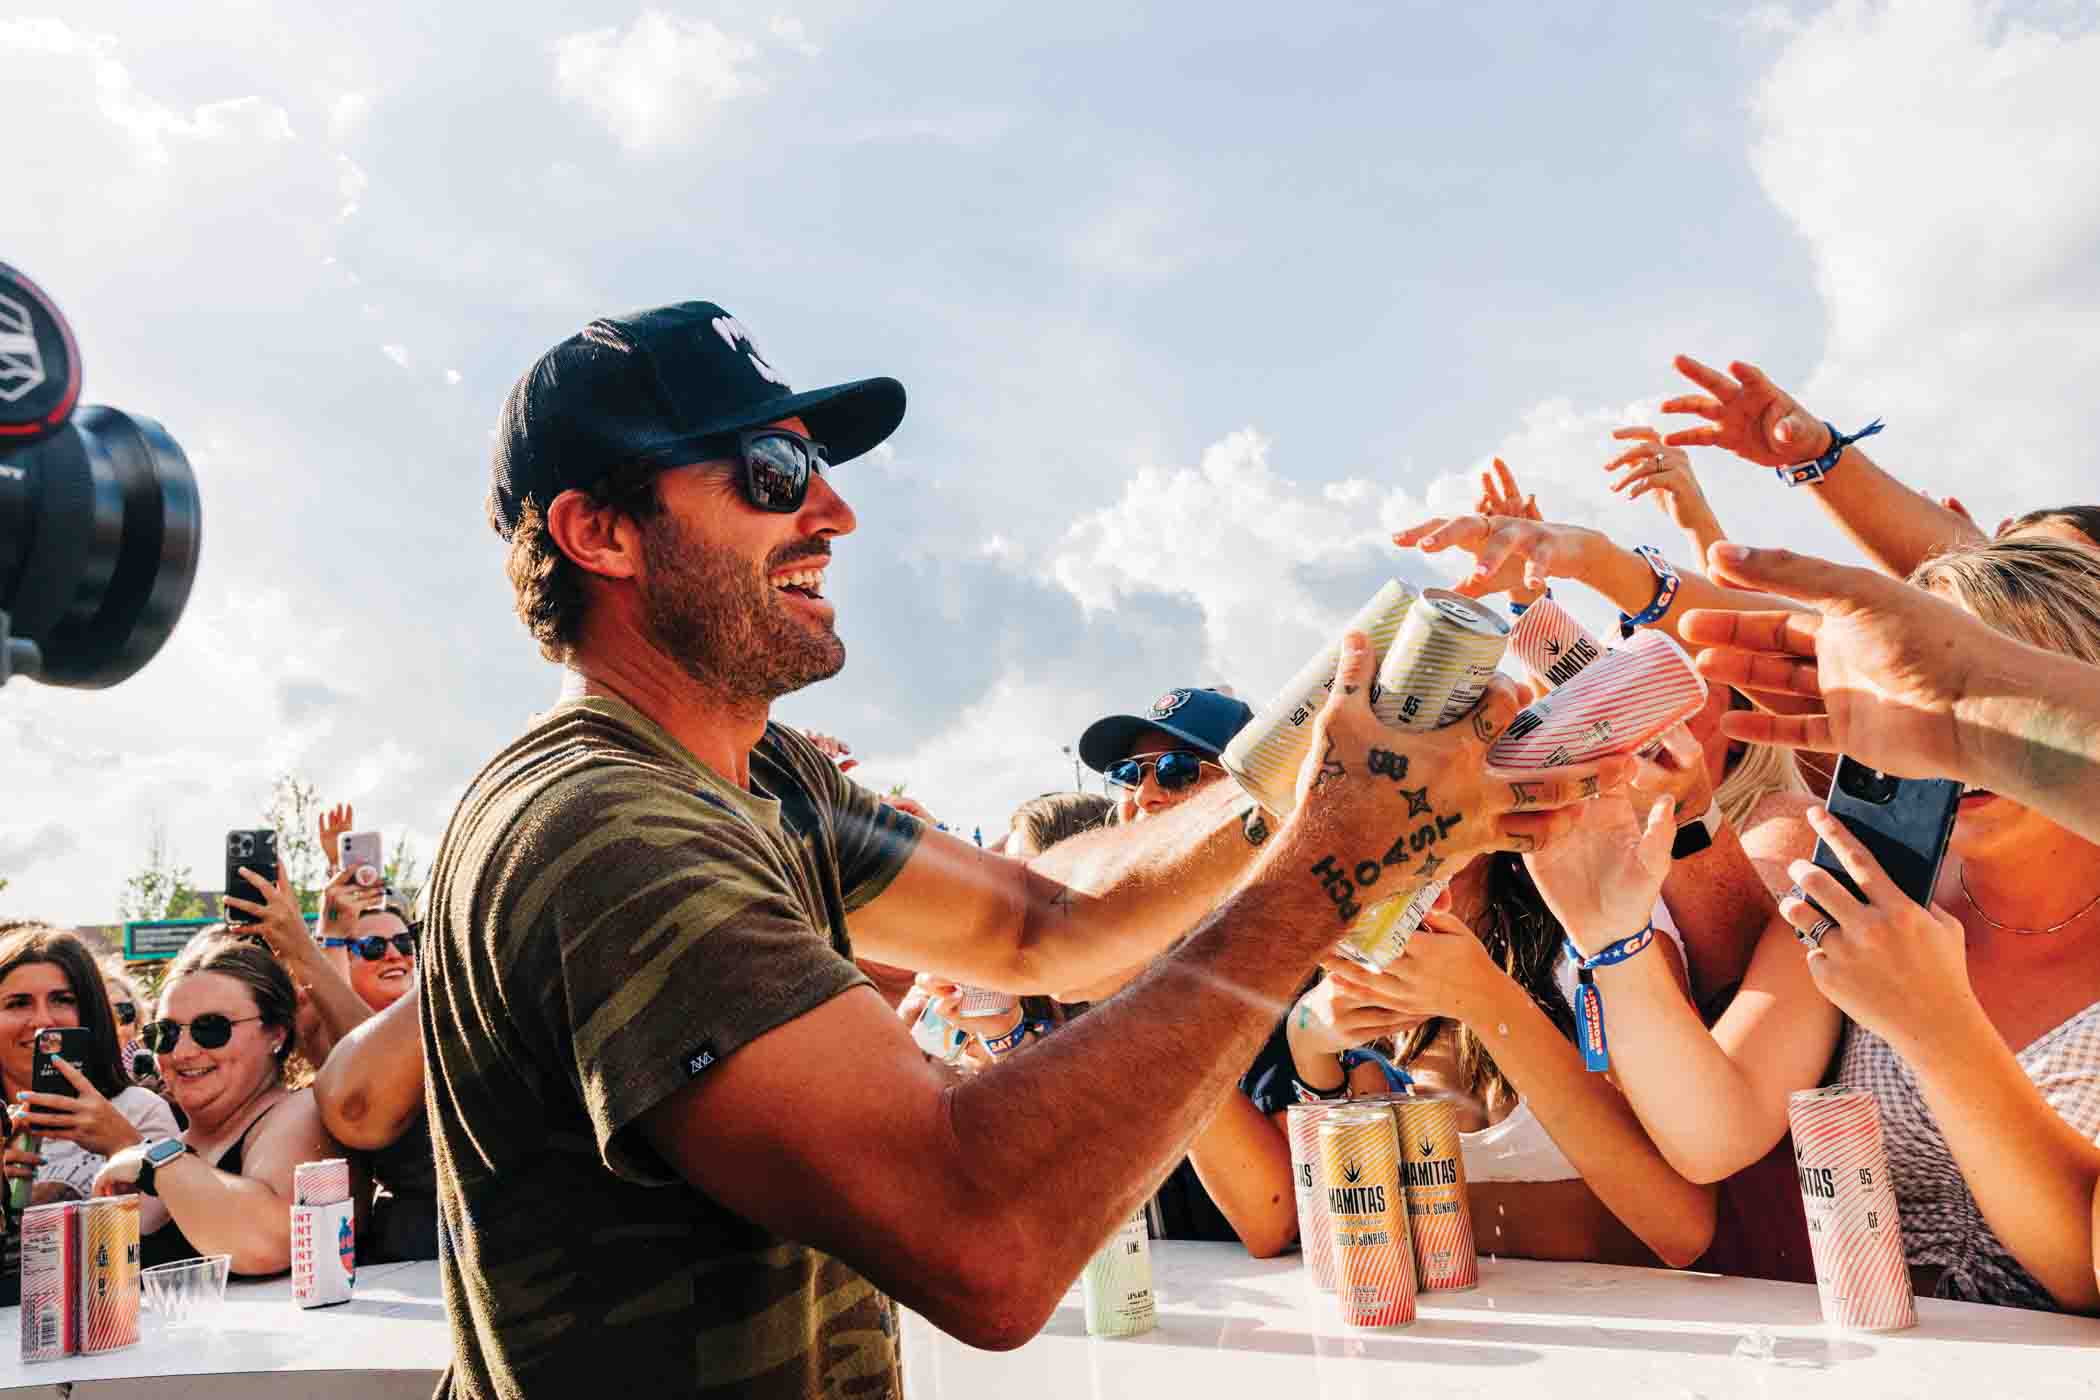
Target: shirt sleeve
148, 1112
681, 939
873, 838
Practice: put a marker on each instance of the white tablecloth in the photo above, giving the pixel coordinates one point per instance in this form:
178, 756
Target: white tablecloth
1235, 1328
388, 1341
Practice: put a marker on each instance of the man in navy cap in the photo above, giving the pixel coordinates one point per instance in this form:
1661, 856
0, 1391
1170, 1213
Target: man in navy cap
680, 1141
1160, 759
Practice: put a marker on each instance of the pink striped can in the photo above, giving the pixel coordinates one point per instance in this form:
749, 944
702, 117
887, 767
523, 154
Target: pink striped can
983, 1001
321, 1183
1315, 1225
1433, 1179
1552, 645
51, 1281
1618, 703
1854, 1233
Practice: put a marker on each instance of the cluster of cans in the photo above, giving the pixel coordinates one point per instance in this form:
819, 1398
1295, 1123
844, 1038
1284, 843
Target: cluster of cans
80, 1277
324, 1235
1382, 1208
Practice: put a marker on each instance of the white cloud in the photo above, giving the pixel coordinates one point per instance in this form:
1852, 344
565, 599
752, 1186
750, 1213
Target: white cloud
792, 33
656, 84
397, 353
1950, 198
351, 182
452, 376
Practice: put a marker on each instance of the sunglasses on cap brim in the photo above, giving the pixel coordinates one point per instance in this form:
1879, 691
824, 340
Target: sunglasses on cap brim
1173, 770
773, 465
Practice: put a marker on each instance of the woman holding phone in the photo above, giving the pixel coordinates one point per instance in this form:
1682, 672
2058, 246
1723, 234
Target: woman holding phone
48, 979
1974, 1022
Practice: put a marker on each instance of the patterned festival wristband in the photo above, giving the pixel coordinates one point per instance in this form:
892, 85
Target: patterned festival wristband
1666, 586
996, 1046
1809, 473
1589, 1002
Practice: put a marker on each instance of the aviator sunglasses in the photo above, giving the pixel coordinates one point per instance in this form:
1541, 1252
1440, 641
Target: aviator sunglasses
774, 466
1175, 769
209, 1032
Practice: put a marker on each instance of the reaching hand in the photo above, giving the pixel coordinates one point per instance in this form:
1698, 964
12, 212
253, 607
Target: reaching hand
334, 822
1337, 1015
276, 911
345, 900
1509, 552
1752, 417
1889, 660
1603, 879
1655, 466
1446, 971
1382, 811
837, 750
84, 1117
1499, 495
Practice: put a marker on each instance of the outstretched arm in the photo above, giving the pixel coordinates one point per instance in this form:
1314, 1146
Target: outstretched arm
1897, 527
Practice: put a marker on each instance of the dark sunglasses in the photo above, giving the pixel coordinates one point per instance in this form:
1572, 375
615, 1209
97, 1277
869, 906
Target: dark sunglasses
372, 947
1175, 770
209, 1032
127, 1012
774, 466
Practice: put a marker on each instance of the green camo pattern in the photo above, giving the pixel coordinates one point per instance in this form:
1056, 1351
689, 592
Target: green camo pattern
603, 912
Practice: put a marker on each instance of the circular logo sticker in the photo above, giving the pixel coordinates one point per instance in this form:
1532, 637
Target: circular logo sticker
1167, 704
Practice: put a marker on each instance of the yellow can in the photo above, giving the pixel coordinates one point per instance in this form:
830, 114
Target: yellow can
1374, 1260
1433, 1178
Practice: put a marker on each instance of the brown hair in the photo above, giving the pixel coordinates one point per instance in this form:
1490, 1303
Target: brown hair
2084, 519
247, 960
25, 941
1055, 816
547, 583
2044, 592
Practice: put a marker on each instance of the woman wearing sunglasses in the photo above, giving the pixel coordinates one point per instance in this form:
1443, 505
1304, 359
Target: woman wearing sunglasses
132, 1011
224, 1185
48, 978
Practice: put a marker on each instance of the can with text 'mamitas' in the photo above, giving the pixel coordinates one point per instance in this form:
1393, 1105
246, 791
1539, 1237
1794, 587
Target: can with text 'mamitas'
1433, 676
109, 1273
1265, 756
1614, 705
1116, 1284
1374, 1260
1854, 1234
1433, 1178
1315, 1225
1552, 645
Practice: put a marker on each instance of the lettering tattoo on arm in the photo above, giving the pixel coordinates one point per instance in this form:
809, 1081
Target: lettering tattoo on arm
1588, 790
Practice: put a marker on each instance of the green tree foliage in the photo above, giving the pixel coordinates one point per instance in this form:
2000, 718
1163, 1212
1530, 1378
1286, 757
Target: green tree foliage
295, 810
161, 888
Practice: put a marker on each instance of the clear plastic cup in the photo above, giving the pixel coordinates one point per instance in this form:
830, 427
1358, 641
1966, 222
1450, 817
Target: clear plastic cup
187, 1293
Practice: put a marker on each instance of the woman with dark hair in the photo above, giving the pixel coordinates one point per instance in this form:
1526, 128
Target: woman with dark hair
48, 978
224, 1186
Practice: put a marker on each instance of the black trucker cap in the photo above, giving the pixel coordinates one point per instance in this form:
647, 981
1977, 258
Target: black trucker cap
1205, 720
655, 386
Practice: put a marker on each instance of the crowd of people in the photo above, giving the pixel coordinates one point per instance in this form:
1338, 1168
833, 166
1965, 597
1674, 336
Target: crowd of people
638, 1070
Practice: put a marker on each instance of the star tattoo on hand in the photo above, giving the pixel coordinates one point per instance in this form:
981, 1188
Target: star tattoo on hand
1417, 801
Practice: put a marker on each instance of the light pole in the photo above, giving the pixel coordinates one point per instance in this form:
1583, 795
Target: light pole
1076, 787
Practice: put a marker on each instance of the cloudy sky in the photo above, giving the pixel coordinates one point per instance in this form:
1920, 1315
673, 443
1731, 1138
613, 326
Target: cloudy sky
1195, 303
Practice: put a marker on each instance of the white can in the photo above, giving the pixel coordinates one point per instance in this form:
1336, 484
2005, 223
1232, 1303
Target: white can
324, 1254
1117, 1284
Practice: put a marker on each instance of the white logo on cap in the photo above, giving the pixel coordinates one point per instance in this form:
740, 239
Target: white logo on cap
732, 331
1170, 702
21, 359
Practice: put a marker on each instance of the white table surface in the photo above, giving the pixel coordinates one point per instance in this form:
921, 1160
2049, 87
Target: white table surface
388, 1340
1231, 1327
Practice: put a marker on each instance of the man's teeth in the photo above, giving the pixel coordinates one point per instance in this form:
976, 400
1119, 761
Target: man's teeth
809, 580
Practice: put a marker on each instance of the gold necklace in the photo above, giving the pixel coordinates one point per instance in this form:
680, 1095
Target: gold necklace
1962, 878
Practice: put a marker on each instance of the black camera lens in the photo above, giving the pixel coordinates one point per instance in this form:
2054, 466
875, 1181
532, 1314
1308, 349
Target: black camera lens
100, 524
1867, 784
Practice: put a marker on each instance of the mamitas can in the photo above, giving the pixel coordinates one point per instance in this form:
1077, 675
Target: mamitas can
1265, 756
1854, 1234
1117, 1284
51, 1281
1374, 1261
1433, 1177
109, 1273
1616, 704
1552, 645
1315, 1225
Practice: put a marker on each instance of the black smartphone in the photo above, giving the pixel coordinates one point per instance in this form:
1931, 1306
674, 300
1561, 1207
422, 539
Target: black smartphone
1904, 822
257, 850
71, 1043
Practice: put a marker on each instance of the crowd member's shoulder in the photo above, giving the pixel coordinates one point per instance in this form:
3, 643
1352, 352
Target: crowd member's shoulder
1777, 833
288, 1134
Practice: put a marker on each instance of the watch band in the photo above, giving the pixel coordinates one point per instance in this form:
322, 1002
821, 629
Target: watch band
149, 1165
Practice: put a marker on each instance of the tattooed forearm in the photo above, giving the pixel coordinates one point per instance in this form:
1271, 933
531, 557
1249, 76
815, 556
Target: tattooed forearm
1330, 766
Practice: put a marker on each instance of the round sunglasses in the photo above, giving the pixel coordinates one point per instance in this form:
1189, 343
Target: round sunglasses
372, 947
773, 466
1175, 769
207, 1032
127, 1012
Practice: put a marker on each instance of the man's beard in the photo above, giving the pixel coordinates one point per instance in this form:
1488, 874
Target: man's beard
720, 622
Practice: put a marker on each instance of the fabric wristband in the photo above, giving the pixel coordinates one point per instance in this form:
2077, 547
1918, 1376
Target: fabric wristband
1516, 609
1809, 473
1666, 586
1397, 1080
996, 1046
1589, 1002
1305, 1093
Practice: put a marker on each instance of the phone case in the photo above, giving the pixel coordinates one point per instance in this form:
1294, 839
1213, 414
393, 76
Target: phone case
1903, 822
363, 848
68, 1042
257, 850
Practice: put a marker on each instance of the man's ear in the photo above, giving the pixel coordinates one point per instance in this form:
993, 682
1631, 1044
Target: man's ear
598, 538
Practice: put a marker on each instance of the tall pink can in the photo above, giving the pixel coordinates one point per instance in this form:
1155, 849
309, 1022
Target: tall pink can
1552, 645
1315, 1222
1614, 705
1854, 1234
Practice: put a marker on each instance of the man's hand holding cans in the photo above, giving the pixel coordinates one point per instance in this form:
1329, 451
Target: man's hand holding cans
1382, 811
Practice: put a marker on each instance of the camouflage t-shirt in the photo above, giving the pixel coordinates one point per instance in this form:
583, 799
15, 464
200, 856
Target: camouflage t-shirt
608, 918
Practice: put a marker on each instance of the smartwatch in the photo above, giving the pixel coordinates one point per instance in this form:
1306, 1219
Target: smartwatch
1697, 834
158, 1155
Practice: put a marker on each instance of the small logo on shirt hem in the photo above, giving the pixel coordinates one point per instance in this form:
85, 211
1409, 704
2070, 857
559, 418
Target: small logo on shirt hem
701, 1057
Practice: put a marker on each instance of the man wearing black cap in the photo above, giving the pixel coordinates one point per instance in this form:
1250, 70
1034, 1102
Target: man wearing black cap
682, 1146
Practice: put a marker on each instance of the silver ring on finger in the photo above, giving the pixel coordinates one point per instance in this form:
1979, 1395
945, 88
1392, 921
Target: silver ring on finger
1815, 933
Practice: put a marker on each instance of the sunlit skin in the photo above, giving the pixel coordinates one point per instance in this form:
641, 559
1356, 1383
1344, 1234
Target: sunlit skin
33, 996
213, 1087
380, 984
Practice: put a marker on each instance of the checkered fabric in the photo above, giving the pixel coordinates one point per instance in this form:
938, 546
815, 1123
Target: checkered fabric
1942, 1226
